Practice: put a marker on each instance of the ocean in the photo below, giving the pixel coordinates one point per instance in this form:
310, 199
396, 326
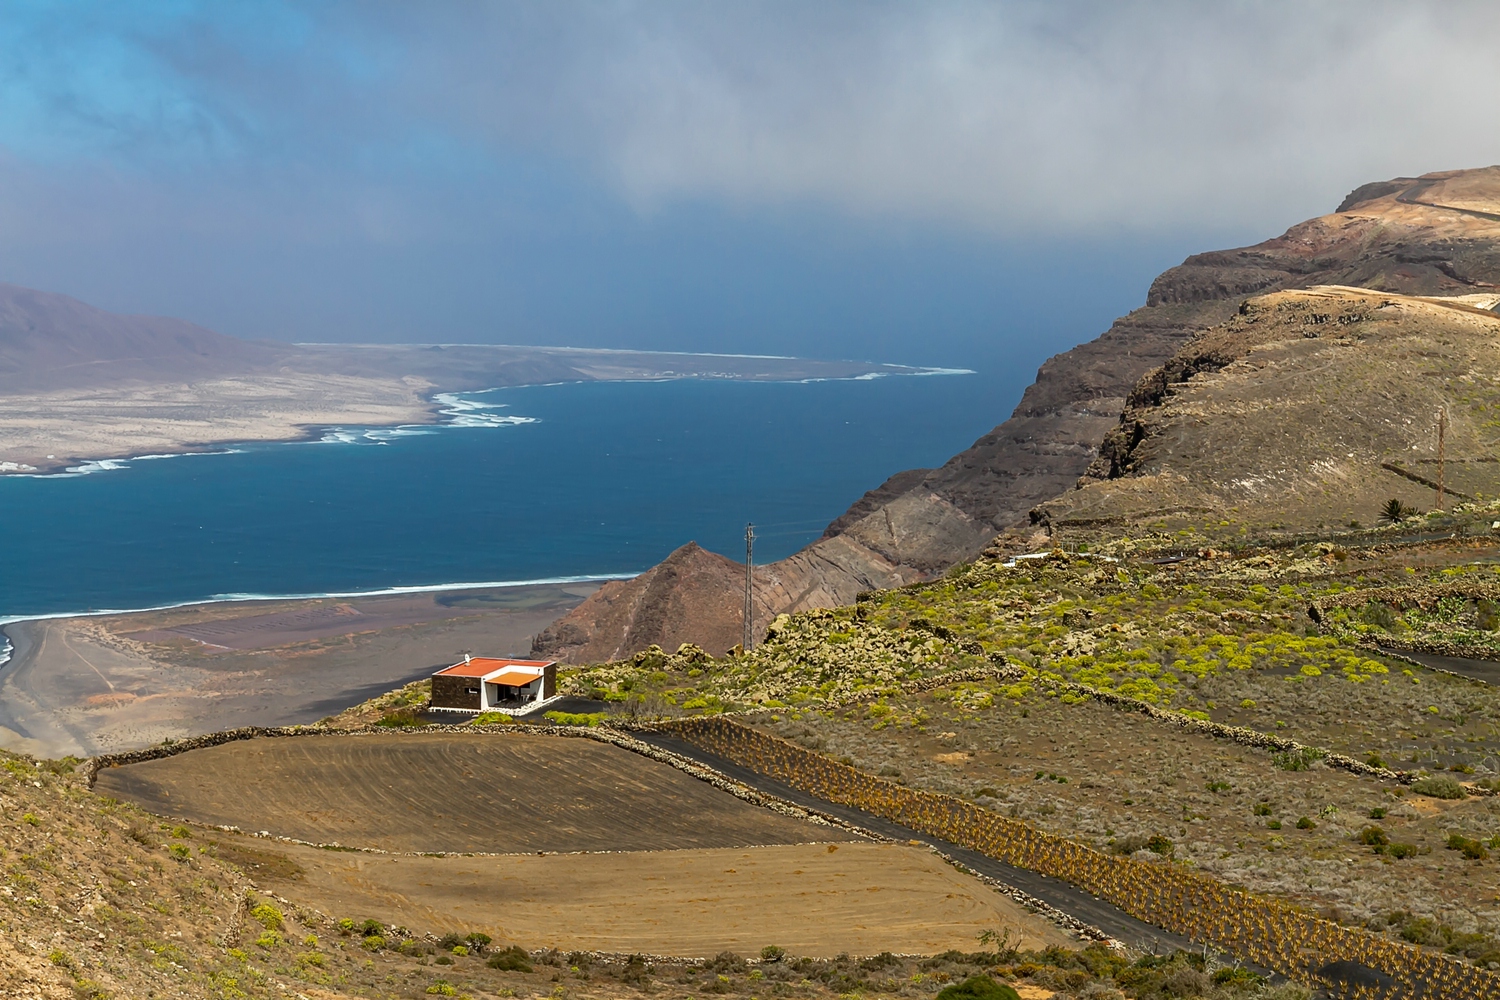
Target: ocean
551, 482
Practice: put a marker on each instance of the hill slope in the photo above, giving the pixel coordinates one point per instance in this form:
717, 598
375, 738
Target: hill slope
1308, 408
1438, 234
50, 341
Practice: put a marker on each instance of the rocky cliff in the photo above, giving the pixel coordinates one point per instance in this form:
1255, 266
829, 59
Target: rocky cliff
1438, 234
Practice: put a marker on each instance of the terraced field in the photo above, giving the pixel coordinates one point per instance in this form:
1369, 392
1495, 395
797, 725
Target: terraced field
489, 793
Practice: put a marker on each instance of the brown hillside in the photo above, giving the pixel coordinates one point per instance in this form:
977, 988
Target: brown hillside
50, 341
1299, 411
1433, 235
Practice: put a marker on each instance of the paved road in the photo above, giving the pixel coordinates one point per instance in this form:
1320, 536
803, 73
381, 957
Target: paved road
1066, 897
1480, 670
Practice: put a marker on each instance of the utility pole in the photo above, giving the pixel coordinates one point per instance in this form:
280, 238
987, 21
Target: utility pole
1442, 427
749, 587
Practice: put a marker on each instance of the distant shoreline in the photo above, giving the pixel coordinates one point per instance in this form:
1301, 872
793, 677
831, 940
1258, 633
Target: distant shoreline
293, 419
7, 649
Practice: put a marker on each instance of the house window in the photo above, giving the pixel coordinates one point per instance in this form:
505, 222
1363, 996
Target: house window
471, 690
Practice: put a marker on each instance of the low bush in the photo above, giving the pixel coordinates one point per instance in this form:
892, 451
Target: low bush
575, 718
492, 718
401, 718
979, 987
1439, 786
1373, 836
512, 959
268, 917
1468, 846
1297, 760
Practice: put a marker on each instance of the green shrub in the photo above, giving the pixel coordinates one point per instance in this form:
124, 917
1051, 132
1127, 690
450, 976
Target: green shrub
1378, 812
442, 988
512, 959
267, 916
1401, 851
372, 942
1235, 977
1439, 786
1305, 823
979, 987
180, 851
1262, 809
1469, 847
575, 718
1158, 844
401, 718
1298, 760
477, 942
1373, 836
182, 833
491, 718
771, 953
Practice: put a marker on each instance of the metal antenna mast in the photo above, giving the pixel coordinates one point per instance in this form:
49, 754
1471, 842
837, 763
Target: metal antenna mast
749, 616
1442, 427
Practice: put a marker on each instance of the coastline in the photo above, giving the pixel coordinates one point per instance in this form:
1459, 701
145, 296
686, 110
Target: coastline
60, 434
7, 651
111, 680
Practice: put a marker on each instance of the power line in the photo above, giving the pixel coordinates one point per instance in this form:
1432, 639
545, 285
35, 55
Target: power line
749, 614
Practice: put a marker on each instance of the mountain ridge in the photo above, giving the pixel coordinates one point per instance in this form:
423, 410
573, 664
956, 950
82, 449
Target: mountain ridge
1436, 234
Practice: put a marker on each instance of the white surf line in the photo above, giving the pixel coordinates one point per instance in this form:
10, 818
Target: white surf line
430, 588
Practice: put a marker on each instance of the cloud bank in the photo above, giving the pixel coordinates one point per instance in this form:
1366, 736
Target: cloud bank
394, 157
1005, 117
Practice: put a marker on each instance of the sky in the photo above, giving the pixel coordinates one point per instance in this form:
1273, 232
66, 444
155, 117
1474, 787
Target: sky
942, 183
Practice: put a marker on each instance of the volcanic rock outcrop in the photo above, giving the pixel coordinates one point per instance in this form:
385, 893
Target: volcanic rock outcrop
1435, 235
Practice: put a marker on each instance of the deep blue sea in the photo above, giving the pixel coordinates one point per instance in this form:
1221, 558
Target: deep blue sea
535, 483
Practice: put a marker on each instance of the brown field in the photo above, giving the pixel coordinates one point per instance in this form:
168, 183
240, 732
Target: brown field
1114, 779
490, 793
812, 899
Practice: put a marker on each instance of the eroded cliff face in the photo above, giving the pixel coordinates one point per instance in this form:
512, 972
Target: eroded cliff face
1310, 408
1434, 235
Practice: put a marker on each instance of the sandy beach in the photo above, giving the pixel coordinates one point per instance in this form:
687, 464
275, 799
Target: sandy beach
87, 685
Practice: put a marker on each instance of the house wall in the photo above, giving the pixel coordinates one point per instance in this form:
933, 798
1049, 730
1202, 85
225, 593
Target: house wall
450, 692
549, 680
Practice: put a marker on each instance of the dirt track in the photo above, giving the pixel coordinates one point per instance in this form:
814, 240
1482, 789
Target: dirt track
480, 793
812, 899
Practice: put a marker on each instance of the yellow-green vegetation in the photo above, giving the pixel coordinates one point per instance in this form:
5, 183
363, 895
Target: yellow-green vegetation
1193, 636
988, 683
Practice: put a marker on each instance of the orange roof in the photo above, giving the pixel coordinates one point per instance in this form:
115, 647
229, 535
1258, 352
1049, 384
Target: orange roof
515, 678
481, 666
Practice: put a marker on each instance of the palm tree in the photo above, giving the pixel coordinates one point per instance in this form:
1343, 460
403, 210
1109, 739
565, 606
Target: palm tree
1395, 511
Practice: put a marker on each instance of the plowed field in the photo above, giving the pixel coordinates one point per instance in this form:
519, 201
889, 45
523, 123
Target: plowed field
812, 899
490, 793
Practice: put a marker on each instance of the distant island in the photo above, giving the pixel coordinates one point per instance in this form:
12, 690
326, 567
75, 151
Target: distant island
78, 383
